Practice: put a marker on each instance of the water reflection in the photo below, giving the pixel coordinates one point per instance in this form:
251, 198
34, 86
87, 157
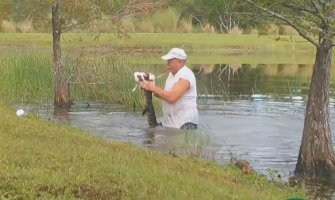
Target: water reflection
61, 114
233, 80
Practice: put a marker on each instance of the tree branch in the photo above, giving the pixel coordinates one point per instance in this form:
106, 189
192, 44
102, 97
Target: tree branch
199, 21
315, 11
280, 17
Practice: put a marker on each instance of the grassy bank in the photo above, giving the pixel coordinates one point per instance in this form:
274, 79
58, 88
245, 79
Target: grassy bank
47, 161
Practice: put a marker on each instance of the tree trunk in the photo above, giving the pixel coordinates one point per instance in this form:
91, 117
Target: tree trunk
62, 90
316, 157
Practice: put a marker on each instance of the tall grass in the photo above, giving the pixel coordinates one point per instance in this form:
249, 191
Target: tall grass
128, 25
103, 80
144, 26
26, 78
185, 26
109, 81
29, 78
25, 26
8, 26
166, 21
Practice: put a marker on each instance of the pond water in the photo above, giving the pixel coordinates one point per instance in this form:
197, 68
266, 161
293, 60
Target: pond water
246, 112
252, 112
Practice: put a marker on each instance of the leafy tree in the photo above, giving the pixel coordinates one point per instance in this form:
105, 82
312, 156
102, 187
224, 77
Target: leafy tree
314, 20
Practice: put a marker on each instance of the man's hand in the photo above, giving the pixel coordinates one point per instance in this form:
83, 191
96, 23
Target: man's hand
148, 85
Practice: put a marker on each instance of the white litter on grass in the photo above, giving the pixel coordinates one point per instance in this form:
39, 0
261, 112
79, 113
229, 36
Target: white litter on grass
20, 112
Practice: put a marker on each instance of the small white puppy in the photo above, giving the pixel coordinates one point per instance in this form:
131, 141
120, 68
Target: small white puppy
141, 76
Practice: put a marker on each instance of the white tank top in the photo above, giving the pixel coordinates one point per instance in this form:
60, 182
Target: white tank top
184, 109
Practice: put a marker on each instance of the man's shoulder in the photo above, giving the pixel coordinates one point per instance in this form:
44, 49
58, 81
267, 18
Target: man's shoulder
186, 70
187, 74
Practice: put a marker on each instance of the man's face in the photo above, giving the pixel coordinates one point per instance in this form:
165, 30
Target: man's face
174, 65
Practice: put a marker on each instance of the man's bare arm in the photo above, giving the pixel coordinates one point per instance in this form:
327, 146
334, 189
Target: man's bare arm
179, 88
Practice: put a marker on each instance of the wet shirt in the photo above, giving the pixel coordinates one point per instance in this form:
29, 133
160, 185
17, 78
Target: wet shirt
184, 109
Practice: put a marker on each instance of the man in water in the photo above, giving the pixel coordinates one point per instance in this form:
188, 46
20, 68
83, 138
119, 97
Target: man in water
179, 94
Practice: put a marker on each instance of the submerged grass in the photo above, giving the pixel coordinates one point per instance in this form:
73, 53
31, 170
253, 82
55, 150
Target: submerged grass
42, 160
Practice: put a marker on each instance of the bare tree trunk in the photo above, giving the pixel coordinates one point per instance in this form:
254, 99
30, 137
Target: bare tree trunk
316, 157
62, 91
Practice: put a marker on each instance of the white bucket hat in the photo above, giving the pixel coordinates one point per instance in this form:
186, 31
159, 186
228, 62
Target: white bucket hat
175, 53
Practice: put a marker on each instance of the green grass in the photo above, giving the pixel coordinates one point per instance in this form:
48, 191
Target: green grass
191, 41
26, 78
146, 48
42, 160
106, 80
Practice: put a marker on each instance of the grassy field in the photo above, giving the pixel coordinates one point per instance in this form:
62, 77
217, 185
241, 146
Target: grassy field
148, 47
192, 41
42, 160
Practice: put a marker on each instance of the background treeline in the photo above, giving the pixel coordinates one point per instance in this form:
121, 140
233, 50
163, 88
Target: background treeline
174, 16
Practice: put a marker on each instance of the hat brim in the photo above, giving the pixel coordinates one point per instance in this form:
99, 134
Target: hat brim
167, 57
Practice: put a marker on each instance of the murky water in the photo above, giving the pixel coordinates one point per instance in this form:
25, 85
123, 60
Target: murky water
246, 112
266, 132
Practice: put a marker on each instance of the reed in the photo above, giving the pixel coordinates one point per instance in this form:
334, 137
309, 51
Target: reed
109, 81
8, 26
166, 21
144, 26
185, 26
26, 78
